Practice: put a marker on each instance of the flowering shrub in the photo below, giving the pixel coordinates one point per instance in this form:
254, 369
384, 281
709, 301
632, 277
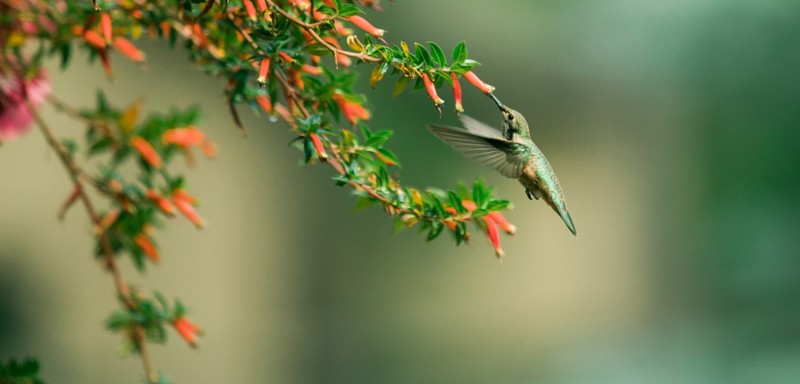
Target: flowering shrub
284, 58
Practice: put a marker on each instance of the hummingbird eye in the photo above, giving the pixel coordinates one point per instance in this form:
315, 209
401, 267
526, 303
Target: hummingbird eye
510, 117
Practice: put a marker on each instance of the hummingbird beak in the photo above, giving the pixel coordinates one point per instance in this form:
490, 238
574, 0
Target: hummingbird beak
497, 101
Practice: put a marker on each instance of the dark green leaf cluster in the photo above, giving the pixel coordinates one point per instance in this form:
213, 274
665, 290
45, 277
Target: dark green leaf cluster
25, 372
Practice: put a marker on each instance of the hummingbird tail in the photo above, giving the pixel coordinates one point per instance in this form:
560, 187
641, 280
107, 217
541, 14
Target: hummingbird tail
568, 221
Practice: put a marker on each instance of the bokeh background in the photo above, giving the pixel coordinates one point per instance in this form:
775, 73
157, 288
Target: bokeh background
674, 128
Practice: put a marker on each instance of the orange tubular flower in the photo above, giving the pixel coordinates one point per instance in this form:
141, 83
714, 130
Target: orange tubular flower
323, 156
491, 226
302, 5
352, 111
261, 5
105, 27
125, 47
263, 102
457, 94
285, 56
431, 88
185, 203
250, 9
310, 69
183, 137
146, 151
263, 71
188, 330
503, 223
493, 235
362, 23
474, 80
94, 39
146, 245
161, 202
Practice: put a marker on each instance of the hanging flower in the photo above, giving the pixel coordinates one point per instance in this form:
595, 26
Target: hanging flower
478, 83
185, 203
352, 111
147, 247
457, 94
362, 23
430, 87
188, 330
146, 151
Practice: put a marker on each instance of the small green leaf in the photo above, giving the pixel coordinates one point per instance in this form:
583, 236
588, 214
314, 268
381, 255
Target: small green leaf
423, 54
435, 231
497, 205
438, 54
347, 10
460, 52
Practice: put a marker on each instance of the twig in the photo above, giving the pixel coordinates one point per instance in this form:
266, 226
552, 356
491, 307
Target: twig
123, 289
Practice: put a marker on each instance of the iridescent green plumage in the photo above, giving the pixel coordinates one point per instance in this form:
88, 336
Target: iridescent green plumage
510, 152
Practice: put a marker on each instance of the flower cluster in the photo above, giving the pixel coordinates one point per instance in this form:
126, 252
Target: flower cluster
286, 59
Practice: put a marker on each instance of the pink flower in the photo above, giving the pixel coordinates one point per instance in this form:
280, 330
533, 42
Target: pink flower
15, 118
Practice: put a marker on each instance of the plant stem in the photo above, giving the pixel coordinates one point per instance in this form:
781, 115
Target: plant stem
122, 287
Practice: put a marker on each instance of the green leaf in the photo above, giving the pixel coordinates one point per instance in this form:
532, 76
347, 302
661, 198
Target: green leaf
455, 202
478, 213
378, 139
347, 10
435, 231
423, 54
497, 205
460, 52
438, 54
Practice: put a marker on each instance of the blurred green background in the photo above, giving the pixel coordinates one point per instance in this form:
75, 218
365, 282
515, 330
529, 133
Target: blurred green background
675, 131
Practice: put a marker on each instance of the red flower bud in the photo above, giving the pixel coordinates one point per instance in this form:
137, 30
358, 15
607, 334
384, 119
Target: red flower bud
146, 245
125, 47
302, 5
161, 202
261, 5
457, 94
311, 69
431, 88
250, 9
474, 80
351, 110
362, 23
493, 235
188, 330
263, 71
286, 58
318, 146
183, 137
185, 203
263, 102
94, 39
146, 151
503, 223
105, 27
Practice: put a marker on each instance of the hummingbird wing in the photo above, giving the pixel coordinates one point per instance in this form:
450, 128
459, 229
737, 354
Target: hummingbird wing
485, 145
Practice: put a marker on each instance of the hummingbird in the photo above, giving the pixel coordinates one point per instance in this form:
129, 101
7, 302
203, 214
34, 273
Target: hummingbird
510, 152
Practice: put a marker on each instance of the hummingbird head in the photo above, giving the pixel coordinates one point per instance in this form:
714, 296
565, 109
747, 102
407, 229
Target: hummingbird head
514, 123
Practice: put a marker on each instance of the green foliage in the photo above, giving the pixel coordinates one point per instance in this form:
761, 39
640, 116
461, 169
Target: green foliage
25, 372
